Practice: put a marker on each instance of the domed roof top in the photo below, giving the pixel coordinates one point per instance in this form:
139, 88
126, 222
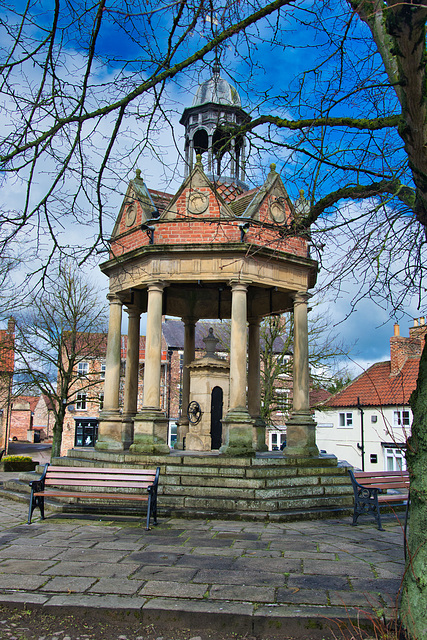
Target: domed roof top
216, 90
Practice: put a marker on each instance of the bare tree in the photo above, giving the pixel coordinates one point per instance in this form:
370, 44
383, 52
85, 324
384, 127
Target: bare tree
76, 81
326, 351
352, 129
64, 325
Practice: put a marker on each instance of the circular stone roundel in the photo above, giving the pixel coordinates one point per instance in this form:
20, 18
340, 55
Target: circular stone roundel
130, 215
277, 212
198, 202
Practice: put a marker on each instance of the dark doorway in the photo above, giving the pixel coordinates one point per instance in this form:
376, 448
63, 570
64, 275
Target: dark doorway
216, 417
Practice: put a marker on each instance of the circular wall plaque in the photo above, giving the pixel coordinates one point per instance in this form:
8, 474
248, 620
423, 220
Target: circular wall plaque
277, 211
198, 202
130, 215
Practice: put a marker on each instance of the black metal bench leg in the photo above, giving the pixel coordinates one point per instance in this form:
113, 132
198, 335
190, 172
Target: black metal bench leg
378, 517
31, 509
36, 501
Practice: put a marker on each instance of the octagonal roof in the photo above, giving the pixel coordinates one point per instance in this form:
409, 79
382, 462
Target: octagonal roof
216, 90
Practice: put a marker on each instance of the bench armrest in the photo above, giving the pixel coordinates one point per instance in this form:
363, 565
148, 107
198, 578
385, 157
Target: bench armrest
361, 490
38, 485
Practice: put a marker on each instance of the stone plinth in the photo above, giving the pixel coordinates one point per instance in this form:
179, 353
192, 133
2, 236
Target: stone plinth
205, 374
150, 433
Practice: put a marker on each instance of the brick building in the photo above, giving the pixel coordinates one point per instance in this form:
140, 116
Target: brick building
7, 362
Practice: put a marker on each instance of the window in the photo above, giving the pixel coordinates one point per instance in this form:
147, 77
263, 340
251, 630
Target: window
345, 419
401, 418
86, 432
374, 419
394, 459
81, 402
83, 368
374, 458
101, 401
103, 366
282, 400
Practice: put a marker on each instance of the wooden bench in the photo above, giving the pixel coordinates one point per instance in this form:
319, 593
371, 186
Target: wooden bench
370, 491
96, 483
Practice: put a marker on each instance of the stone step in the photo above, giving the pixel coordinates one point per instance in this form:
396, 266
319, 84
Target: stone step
216, 487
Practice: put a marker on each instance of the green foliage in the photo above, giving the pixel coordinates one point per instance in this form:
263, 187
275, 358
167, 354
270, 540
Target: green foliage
17, 459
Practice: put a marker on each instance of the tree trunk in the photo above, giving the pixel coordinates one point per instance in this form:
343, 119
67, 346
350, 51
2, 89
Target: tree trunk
57, 436
413, 609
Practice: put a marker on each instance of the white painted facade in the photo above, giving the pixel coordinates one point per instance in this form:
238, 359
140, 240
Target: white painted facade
385, 430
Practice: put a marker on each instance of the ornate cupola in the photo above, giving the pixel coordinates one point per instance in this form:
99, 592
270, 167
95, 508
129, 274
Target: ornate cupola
209, 124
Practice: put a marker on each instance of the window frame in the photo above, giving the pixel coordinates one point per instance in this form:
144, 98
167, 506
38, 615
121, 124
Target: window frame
81, 401
347, 419
85, 365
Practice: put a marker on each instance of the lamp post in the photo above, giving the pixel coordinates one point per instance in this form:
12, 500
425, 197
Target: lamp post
362, 434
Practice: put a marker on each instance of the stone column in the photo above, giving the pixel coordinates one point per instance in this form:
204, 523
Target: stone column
254, 382
210, 153
110, 436
301, 427
132, 369
238, 436
189, 355
151, 425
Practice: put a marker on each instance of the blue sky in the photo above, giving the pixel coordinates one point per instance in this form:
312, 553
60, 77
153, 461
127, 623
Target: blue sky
267, 84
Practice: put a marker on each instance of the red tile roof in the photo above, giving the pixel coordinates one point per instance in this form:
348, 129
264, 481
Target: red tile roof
32, 401
377, 386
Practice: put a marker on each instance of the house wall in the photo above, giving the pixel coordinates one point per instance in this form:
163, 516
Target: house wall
379, 426
21, 421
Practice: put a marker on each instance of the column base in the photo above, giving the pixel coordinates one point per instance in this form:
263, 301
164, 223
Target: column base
301, 435
113, 434
150, 433
238, 434
259, 433
182, 431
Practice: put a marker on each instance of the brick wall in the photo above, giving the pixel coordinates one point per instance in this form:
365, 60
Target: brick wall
402, 348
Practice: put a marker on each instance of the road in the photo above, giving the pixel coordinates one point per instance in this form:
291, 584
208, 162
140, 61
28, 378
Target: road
39, 452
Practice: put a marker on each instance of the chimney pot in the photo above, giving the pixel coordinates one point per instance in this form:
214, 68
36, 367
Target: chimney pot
422, 320
415, 322
396, 330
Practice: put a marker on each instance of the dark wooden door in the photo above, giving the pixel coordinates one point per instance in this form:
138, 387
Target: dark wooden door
216, 417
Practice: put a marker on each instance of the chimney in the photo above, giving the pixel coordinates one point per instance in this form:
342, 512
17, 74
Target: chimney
402, 348
11, 325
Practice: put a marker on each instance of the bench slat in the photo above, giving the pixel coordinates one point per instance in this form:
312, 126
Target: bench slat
98, 478
97, 483
88, 494
110, 470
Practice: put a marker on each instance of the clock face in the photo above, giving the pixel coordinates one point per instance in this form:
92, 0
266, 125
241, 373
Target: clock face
197, 202
130, 215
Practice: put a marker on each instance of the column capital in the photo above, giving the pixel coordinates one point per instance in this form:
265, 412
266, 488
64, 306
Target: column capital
132, 311
113, 298
254, 320
239, 285
189, 320
156, 285
300, 297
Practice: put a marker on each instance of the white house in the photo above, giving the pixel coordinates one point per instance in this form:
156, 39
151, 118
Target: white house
368, 422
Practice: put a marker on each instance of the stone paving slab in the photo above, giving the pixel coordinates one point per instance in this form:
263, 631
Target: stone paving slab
254, 578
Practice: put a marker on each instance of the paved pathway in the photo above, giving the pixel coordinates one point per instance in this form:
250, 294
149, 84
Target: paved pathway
251, 578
